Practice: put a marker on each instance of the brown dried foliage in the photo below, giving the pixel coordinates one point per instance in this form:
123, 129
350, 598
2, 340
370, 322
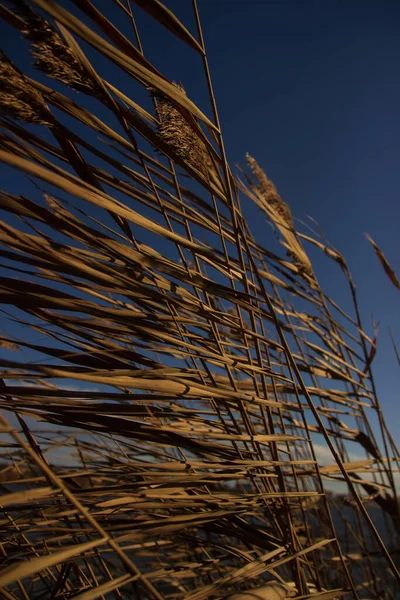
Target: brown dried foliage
184, 396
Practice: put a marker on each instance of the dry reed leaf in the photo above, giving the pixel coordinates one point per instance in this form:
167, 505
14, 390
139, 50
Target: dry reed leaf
270, 591
11, 17
385, 263
8, 345
90, 194
106, 588
26, 496
29, 568
185, 367
334, 254
166, 17
249, 571
330, 595
111, 30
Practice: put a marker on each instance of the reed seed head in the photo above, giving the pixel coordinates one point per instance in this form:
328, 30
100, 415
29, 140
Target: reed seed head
175, 131
269, 197
51, 54
18, 98
269, 192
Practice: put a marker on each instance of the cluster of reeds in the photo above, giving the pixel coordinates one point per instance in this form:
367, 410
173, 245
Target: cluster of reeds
183, 397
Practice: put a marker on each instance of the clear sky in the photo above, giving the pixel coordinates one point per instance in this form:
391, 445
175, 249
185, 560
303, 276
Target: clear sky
311, 89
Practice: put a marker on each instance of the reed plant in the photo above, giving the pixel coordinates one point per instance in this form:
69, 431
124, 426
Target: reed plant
171, 385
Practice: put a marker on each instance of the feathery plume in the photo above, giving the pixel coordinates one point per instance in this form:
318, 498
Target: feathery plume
175, 130
18, 98
269, 192
270, 201
51, 53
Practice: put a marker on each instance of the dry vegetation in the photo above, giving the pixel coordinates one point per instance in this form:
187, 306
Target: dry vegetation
186, 375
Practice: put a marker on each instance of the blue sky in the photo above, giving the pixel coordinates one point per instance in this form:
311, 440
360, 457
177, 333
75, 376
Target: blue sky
311, 90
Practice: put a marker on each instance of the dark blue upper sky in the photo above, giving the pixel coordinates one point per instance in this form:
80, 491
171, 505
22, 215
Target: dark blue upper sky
311, 89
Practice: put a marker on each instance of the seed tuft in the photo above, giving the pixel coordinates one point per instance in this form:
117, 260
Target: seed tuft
269, 200
177, 132
51, 54
18, 98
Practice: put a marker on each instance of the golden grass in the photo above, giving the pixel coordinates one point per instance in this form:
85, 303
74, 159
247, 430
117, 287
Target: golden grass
202, 390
